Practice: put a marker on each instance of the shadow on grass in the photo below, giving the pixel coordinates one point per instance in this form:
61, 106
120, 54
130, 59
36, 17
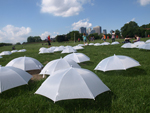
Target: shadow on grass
86, 63
101, 103
21, 90
132, 72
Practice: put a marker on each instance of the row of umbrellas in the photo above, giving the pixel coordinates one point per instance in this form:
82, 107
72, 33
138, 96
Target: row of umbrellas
10, 52
104, 43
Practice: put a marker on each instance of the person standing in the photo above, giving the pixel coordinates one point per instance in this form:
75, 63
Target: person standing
49, 41
104, 37
84, 38
113, 36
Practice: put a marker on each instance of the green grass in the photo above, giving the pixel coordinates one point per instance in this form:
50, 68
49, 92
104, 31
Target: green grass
130, 89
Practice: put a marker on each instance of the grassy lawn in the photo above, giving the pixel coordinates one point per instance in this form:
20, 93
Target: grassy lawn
130, 89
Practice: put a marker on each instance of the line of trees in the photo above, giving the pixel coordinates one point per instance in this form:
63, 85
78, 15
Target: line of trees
34, 39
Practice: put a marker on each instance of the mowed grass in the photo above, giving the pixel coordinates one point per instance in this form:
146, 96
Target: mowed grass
130, 89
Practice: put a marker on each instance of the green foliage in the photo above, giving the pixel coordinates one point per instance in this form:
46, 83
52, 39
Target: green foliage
61, 38
5, 44
34, 39
96, 36
117, 32
130, 29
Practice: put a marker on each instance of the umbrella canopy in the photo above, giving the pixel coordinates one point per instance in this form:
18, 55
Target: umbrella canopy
5, 53
113, 43
91, 44
58, 49
13, 51
144, 46
80, 44
72, 83
46, 51
11, 77
148, 41
97, 44
22, 50
25, 63
129, 45
42, 48
116, 62
58, 64
77, 57
78, 47
68, 50
105, 43
139, 43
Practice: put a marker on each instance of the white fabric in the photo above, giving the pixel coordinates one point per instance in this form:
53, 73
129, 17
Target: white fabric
77, 57
25, 63
11, 77
5, 53
72, 83
116, 62
129, 45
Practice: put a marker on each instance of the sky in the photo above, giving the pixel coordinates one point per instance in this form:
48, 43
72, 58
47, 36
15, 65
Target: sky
20, 19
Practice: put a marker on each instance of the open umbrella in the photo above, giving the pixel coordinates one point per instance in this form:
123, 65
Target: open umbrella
5, 53
105, 43
72, 83
68, 50
129, 45
78, 47
97, 44
13, 51
46, 51
114, 43
144, 46
22, 50
25, 63
58, 64
91, 44
148, 41
116, 62
77, 57
11, 77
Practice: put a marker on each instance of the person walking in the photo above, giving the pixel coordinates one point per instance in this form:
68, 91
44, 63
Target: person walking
113, 36
49, 41
84, 39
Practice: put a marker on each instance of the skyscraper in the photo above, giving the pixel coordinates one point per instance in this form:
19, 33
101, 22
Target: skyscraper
82, 30
104, 31
97, 29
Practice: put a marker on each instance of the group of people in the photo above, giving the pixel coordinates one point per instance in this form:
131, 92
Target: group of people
127, 39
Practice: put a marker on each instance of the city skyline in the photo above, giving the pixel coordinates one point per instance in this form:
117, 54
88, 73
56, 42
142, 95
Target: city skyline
23, 18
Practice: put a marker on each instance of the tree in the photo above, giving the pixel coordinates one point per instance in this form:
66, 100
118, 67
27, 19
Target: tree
117, 32
34, 39
130, 29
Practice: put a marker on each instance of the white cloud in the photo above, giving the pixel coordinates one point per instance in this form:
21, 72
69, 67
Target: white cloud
133, 19
12, 34
81, 23
64, 8
46, 33
144, 2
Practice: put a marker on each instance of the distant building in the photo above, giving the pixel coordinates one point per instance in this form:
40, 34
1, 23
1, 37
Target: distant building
97, 29
93, 31
82, 30
104, 31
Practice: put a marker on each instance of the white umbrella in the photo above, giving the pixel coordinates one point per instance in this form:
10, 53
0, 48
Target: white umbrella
22, 50
72, 83
148, 41
105, 43
13, 51
78, 47
25, 63
80, 44
113, 43
42, 48
129, 45
46, 51
144, 46
91, 44
139, 43
1, 57
11, 77
5, 53
68, 50
77, 57
97, 44
116, 62
58, 49
58, 64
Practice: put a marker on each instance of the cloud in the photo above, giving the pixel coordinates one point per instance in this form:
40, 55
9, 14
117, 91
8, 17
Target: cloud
133, 19
46, 33
81, 23
64, 8
12, 34
144, 2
